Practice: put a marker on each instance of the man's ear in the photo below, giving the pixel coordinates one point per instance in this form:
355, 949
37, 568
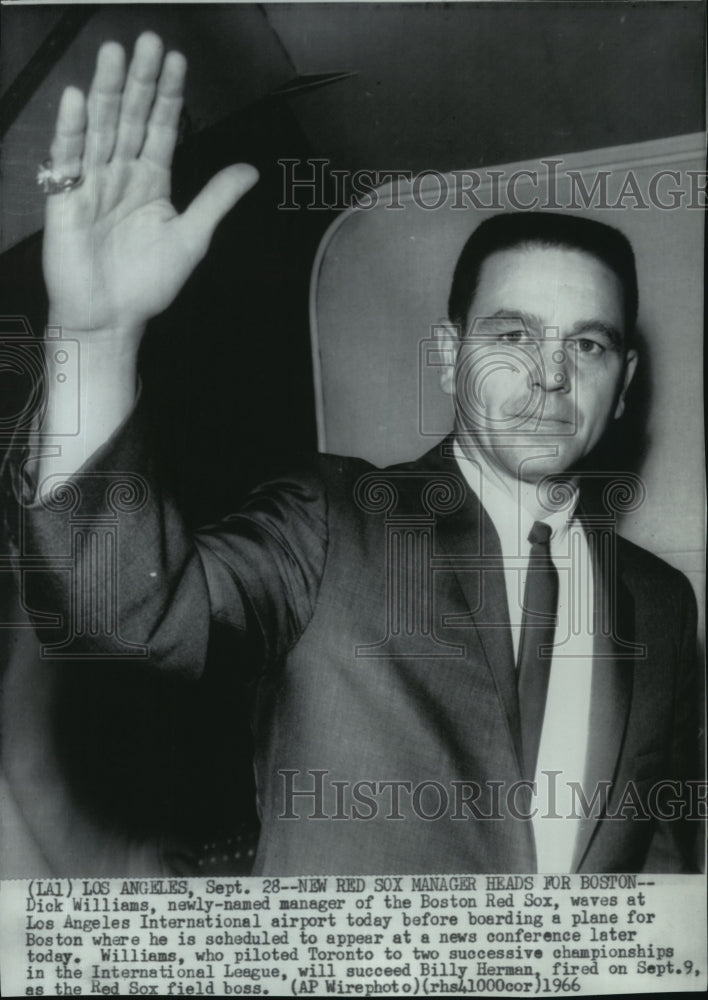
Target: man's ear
630, 366
447, 334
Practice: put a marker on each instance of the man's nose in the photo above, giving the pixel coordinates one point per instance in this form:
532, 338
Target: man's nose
554, 366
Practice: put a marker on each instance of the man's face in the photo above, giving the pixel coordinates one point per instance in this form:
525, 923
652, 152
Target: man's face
541, 370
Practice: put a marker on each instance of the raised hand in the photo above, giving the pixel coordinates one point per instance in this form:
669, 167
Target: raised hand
115, 251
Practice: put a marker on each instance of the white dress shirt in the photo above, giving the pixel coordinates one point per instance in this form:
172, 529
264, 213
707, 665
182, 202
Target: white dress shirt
513, 507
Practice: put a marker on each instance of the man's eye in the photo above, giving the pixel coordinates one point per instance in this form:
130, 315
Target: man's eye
511, 336
586, 346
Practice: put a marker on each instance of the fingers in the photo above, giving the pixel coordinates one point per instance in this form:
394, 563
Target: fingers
138, 96
124, 116
164, 121
222, 192
67, 146
103, 104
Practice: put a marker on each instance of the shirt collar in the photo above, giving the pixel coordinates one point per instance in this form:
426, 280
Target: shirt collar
513, 505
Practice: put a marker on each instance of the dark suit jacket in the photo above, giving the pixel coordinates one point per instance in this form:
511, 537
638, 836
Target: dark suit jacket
370, 610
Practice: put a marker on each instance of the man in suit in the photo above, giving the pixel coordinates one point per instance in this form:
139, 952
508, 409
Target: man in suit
455, 667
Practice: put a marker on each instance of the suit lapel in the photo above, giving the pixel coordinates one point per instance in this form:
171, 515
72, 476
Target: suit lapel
612, 674
468, 540
470, 545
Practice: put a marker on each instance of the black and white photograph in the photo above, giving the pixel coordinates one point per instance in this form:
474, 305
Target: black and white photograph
353, 498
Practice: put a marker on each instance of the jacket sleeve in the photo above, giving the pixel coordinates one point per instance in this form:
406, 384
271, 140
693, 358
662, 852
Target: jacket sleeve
116, 569
675, 845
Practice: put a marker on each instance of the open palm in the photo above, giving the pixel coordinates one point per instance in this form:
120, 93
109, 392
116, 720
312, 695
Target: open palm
115, 251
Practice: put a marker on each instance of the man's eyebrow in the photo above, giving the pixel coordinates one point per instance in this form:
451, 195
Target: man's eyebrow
529, 320
598, 326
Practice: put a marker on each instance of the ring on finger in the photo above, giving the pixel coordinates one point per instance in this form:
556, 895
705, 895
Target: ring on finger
52, 181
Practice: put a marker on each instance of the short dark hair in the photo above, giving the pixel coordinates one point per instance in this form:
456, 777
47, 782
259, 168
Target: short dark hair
549, 229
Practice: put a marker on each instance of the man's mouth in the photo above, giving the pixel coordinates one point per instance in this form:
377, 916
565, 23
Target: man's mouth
524, 418
545, 418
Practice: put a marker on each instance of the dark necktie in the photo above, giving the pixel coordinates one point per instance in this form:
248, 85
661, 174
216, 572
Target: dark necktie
538, 627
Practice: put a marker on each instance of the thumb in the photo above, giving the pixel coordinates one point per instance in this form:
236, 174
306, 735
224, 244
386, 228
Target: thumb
216, 198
